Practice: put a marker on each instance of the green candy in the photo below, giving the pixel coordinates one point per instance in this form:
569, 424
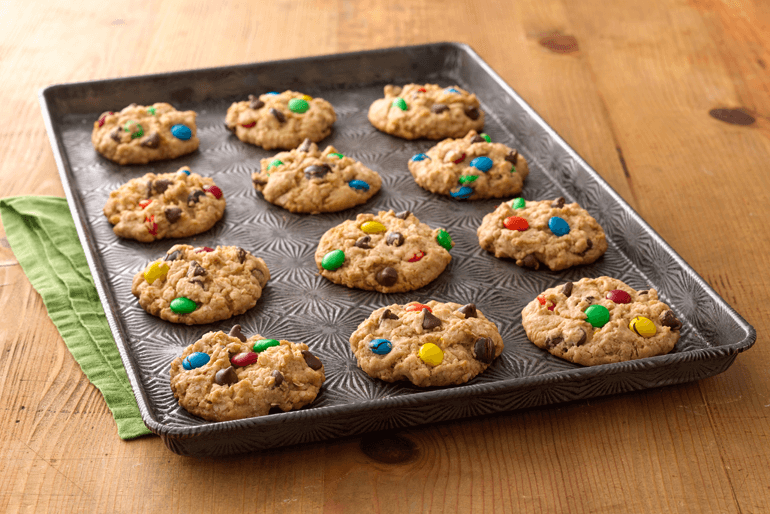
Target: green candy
400, 103
598, 315
518, 203
151, 111
337, 155
333, 260
275, 164
444, 239
486, 136
134, 128
264, 344
465, 179
513, 169
183, 305
298, 105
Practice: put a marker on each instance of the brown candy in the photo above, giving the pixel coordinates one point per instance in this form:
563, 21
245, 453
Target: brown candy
484, 350
278, 376
173, 256
429, 321
558, 203
388, 315
317, 171
255, 102
173, 214
278, 115
478, 139
387, 276
668, 319
196, 270
363, 242
151, 141
312, 361
566, 289
194, 197
469, 310
439, 108
552, 342
530, 262
305, 146
226, 376
403, 215
395, 239
236, 332
472, 113
512, 157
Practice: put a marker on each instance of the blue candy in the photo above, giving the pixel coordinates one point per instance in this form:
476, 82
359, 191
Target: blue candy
182, 132
558, 226
482, 163
195, 360
272, 93
462, 194
359, 184
419, 157
380, 346
452, 90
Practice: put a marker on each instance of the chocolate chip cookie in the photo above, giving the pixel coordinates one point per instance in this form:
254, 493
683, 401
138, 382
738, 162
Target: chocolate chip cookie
430, 111
470, 168
140, 134
550, 232
310, 181
433, 344
387, 252
154, 206
201, 285
599, 321
280, 120
227, 376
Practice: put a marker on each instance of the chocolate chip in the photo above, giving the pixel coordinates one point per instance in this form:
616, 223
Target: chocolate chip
278, 376
236, 332
484, 350
363, 242
255, 103
317, 171
583, 337
149, 189
199, 282
395, 239
558, 203
241, 255
196, 270
387, 276
590, 299
115, 135
228, 127
643, 292
312, 361
403, 215
472, 113
469, 310
194, 197
388, 315
530, 262
160, 186
278, 115
173, 214
512, 157
439, 108
478, 139
667, 319
589, 245
305, 146
226, 376
259, 181
173, 256
429, 321
151, 141
566, 289
552, 342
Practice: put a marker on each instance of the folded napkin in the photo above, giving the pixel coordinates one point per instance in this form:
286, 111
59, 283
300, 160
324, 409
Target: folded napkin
43, 238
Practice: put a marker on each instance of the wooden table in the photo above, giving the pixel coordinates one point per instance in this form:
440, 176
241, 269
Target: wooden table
629, 84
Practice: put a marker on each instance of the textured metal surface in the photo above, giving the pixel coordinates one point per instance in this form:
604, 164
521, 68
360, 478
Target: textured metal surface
301, 306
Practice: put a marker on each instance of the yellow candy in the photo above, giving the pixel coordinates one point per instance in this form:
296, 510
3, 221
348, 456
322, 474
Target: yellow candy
373, 227
306, 98
431, 354
155, 271
642, 326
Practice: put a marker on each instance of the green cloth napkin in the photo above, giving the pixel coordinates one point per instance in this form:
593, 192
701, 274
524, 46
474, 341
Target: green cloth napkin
43, 238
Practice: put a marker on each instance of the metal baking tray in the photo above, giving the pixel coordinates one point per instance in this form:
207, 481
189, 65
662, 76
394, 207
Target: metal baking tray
300, 305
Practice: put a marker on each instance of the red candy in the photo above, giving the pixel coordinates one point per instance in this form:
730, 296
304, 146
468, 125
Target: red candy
153, 226
416, 257
618, 296
541, 299
421, 89
248, 125
417, 307
145, 203
214, 190
204, 249
461, 159
244, 359
516, 223
101, 120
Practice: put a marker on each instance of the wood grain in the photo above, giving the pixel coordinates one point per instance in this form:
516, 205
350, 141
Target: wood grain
629, 85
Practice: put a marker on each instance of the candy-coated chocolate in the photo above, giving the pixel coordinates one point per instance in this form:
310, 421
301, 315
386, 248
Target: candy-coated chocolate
272, 93
516, 223
103, 117
144, 203
416, 257
558, 226
244, 359
419, 157
306, 98
619, 296
542, 301
203, 249
359, 184
182, 132
134, 128
274, 164
444, 239
185, 171
195, 360
183, 305
155, 271
452, 90
298, 105
214, 190
598, 315
482, 163
400, 103
264, 344
249, 124
151, 111
460, 159
337, 155
463, 193
417, 307
486, 137
519, 203
421, 90
380, 346
431, 354
373, 227
333, 260
643, 326
152, 225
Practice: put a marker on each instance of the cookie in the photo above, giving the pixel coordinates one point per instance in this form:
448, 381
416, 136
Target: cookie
550, 232
140, 134
435, 344
280, 120
599, 321
415, 111
226, 376
154, 206
201, 285
310, 181
470, 168
387, 252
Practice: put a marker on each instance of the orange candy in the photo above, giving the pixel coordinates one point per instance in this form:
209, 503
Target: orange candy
516, 223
